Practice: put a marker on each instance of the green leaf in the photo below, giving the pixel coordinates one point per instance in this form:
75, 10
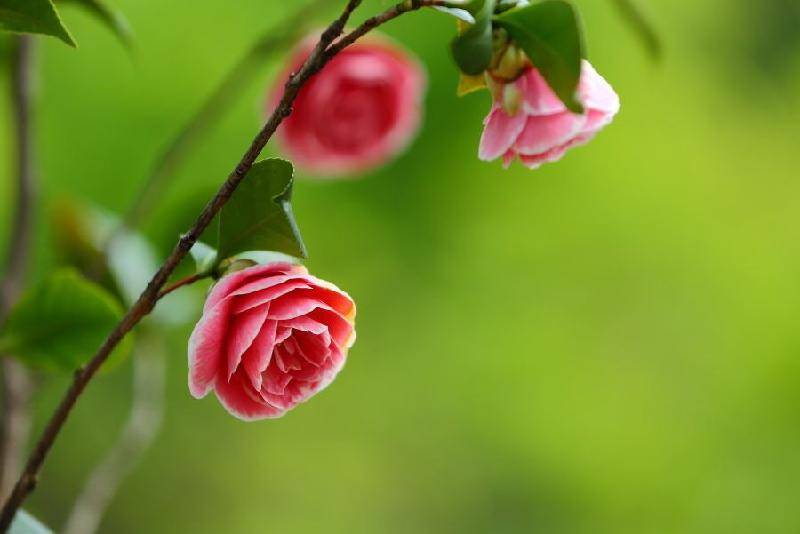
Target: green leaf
549, 33
259, 214
110, 17
82, 235
633, 14
33, 16
25, 523
472, 48
61, 322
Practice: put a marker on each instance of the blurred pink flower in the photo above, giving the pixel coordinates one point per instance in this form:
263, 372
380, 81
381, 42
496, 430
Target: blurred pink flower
271, 336
542, 129
362, 109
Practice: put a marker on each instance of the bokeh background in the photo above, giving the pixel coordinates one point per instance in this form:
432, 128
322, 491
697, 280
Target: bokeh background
605, 345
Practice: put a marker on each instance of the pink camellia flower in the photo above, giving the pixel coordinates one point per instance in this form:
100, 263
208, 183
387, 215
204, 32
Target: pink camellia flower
271, 336
362, 109
542, 129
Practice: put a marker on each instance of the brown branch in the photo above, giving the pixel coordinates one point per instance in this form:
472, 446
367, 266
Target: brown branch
144, 305
211, 111
17, 389
377, 20
16, 382
148, 395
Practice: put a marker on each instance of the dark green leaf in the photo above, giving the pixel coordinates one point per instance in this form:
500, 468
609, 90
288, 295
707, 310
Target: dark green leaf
25, 523
110, 17
472, 48
61, 322
550, 35
632, 12
33, 16
259, 214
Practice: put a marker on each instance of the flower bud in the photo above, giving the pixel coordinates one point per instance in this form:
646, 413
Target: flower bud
509, 65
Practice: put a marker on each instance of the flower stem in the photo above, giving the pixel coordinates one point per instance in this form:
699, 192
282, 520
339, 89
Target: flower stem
180, 283
214, 107
318, 58
16, 380
133, 441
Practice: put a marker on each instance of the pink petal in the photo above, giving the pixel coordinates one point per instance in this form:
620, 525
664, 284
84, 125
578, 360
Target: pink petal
284, 402
256, 298
238, 397
306, 324
285, 357
260, 284
332, 296
336, 365
275, 380
234, 281
596, 92
242, 330
307, 373
283, 334
546, 132
536, 161
499, 133
257, 357
314, 348
596, 120
342, 332
291, 306
205, 349
539, 98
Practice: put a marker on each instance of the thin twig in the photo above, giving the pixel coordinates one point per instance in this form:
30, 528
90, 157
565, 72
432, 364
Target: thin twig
144, 305
17, 389
211, 111
17, 383
140, 430
135, 439
191, 279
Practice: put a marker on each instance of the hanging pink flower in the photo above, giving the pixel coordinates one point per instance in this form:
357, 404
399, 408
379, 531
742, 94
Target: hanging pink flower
541, 129
360, 111
271, 337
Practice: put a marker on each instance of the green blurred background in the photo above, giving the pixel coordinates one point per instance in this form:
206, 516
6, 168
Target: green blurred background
605, 345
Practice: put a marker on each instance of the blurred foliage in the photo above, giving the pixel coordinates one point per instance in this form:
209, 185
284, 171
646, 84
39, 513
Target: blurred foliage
775, 41
606, 345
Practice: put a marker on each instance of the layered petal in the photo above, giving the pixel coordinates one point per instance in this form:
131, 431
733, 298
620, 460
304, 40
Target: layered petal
596, 92
500, 133
259, 354
543, 133
545, 129
539, 99
362, 109
205, 349
242, 401
270, 337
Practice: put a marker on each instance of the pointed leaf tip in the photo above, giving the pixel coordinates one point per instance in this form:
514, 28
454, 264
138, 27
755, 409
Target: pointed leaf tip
33, 16
259, 215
